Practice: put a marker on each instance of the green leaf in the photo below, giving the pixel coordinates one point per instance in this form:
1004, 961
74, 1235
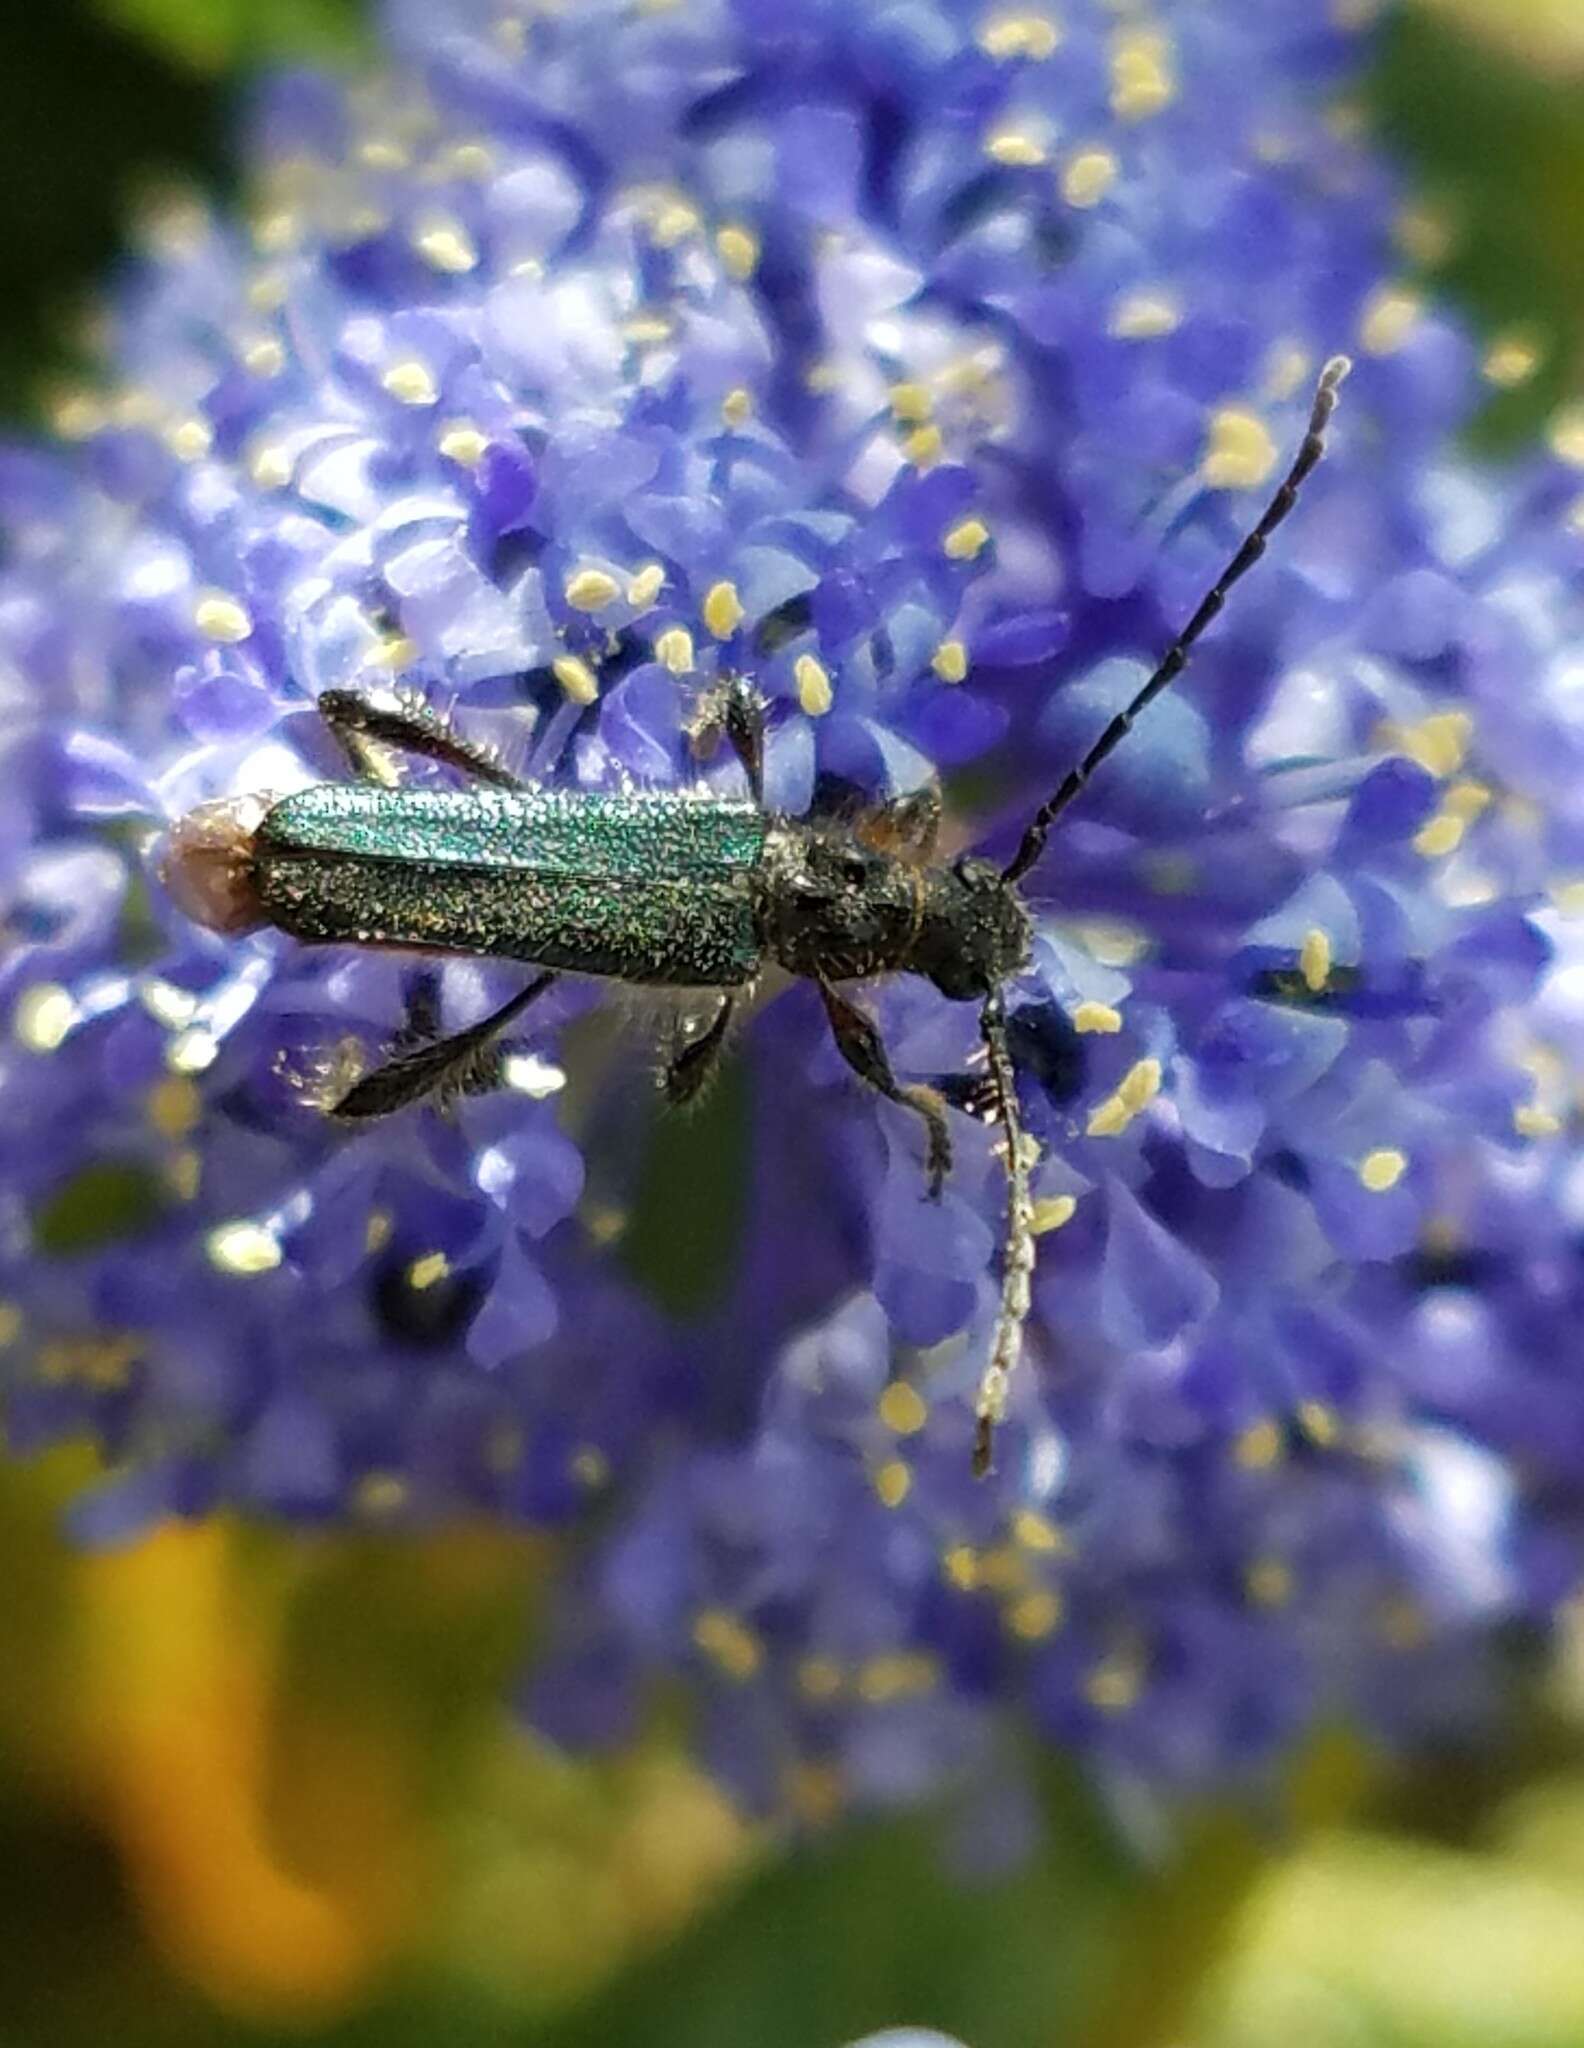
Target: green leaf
96, 1207
220, 35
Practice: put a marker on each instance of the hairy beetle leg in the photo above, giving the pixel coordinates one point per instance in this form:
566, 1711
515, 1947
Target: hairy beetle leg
735, 711
860, 1045
363, 726
465, 1064
691, 1069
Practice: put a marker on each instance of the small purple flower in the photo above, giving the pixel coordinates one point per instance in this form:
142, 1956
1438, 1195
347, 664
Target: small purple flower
928, 363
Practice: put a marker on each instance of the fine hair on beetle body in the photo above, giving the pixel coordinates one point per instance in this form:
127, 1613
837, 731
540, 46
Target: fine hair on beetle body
666, 890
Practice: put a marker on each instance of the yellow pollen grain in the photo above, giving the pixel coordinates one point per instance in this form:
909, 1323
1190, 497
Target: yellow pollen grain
646, 586
1144, 316
1007, 37
1441, 835
1014, 147
1565, 435
1269, 1582
1053, 1212
1259, 1446
925, 446
911, 404
1088, 176
1318, 1421
589, 1466
270, 468
674, 650
737, 406
893, 1482
1314, 959
575, 676
1035, 1615
1241, 454
1038, 1533
738, 250
591, 590
950, 661
411, 383
723, 609
1141, 75
1530, 1120
243, 1248
428, 1271
264, 358
463, 443
10, 1323
1382, 1169
903, 1408
819, 1678
190, 440
223, 618
1097, 1017
446, 246
44, 1017
728, 1644
965, 540
1390, 315
174, 1105
1511, 360
961, 1566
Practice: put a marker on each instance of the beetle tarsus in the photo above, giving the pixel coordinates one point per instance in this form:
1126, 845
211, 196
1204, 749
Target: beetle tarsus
859, 1042
364, 727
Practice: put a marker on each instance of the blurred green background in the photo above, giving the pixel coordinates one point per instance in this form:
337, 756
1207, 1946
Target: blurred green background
260, 1787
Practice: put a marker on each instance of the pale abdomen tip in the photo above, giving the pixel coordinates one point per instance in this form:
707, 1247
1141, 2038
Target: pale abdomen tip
206, 863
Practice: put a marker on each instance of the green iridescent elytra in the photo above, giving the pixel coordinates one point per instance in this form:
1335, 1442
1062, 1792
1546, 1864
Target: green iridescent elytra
651, 888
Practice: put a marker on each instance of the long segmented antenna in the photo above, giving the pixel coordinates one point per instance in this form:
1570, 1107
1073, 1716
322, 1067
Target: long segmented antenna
1018, 1269
1309, 453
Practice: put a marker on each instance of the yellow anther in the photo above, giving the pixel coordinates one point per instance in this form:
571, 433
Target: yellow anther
737, 406
738, 249
1088, 176
446, 246
1038, 1533
589, 1466
10, 1323
732, 1647
377, 1230
575, 676
1270, 1582
1440, 835
1438, 743
1009, 36
674, 650
1140, 1085
924, 446
1467, 800
1424, 233
470, 160
190, 440
1053, 1212
1115, 1685
911, 404
1390, 315
264, 358
591, 590
428, 1271
1530, 1120
174, 1106
1382, 1168
819, 1678
1565, 435
646, 586
1144, 316
645, 330
243, 1248
1110, 1119
1015, 147
950, 661
463, 443
1141, 74
44, 1017
75, 415
411, 382
1259, 1446
1314, 959
1318, 1421
1241, 454
897, 1675
1097, 1017
383, 153
965, 540
961, 1566
903, 1408
893, 1482
674, 222
223, 618
270, 468
1511, 360
1035, 1615
1568, 895
723, 609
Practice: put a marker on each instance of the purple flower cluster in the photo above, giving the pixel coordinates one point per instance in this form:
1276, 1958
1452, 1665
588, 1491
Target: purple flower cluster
926, 361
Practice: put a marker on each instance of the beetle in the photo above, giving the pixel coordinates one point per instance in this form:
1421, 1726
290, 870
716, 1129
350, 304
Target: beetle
664, 889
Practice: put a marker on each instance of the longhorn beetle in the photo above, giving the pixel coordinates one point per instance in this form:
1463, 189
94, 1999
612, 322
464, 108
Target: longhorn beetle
663, 889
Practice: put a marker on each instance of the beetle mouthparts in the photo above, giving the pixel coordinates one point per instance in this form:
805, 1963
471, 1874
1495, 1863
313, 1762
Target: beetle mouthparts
205, 863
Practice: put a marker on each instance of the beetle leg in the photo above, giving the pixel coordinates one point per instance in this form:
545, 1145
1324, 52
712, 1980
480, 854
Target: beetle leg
860, 1045
465, 1064
364, 726
690, 1070
735, 709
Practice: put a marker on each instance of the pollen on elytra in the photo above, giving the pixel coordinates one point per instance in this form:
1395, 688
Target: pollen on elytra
1241, 452
1088, 176
674, 650
243, 1248
1314, 959
221, 617
411, 383
965, 540
723, 609
1381, 1169
591, 590
813, 685
576, 678
950, 661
